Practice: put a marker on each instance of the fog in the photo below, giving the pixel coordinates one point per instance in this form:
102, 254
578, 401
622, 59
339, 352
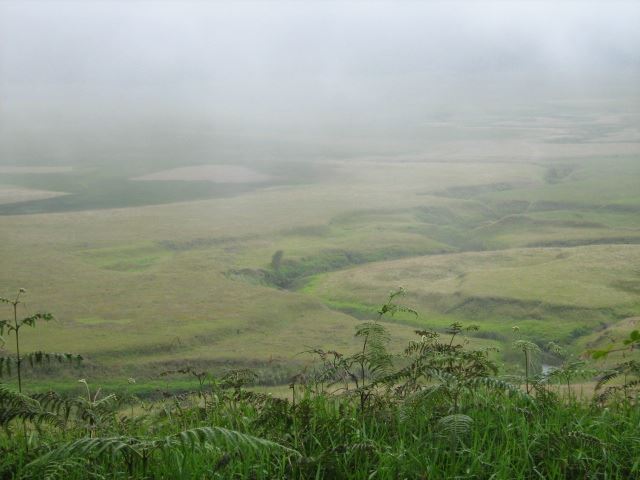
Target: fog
199, 187
93, 81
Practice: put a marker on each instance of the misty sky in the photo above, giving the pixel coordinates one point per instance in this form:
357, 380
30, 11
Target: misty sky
303, 65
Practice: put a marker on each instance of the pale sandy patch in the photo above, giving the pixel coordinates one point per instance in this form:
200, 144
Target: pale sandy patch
16, 169
209, 173
12, 194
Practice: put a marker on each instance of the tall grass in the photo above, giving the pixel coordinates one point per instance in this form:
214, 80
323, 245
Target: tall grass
438, 410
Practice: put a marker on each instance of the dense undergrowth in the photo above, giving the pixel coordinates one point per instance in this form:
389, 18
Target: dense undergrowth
437, 410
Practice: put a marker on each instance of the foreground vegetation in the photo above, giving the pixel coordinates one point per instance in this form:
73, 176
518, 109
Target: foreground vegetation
439, 409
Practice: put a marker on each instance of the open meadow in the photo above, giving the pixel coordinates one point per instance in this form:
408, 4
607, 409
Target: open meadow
534, 228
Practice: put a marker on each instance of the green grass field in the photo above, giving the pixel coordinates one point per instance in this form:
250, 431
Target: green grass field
482, 232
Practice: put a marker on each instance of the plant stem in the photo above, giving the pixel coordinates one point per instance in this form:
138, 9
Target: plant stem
17, 332
526, 369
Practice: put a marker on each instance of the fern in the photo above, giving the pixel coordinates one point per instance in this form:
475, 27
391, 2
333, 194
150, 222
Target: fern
230, 438
62, 469
629, 371
14, 327
630, 367
455, 426
391, 307
374, 355
496, 384
137, 450
17, 406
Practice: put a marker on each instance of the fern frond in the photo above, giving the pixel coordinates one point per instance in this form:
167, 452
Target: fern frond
231, 438
17, 406
99, 448
585, 438
136, 448
455, 425
392, 308
61, 469
10, 398
631, 367
493, 383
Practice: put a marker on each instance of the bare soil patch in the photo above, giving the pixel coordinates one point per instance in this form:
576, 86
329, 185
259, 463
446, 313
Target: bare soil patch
12, 194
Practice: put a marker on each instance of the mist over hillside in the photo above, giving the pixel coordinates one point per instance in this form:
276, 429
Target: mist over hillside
192, 82
345, 240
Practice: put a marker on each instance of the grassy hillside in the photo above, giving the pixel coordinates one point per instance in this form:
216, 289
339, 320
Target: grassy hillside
512, 228
555, 294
